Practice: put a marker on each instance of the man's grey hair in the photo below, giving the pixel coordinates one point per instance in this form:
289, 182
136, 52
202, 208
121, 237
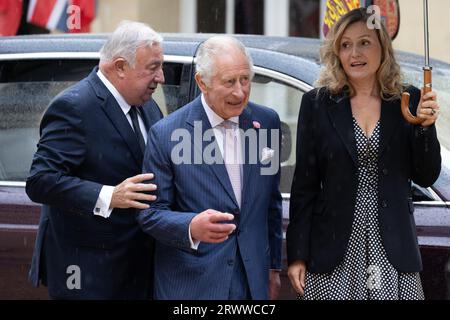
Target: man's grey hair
214, 47
126, 39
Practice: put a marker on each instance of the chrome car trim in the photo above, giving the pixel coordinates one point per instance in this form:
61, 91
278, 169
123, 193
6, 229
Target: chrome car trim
182, 59
283, 77
434, 194
49, 55
12, 184
77, 55
18, 226
434, 241
437, 203
445, 154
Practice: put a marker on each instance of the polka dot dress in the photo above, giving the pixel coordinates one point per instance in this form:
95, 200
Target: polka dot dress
365, 273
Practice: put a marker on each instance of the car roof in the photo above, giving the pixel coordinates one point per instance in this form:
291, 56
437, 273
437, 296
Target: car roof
277, 53
92, 42
293, 56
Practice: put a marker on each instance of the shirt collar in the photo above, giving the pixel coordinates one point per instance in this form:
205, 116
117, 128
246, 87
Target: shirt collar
120, 100
214, 118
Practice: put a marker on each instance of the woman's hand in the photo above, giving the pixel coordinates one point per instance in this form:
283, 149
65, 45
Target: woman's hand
428, 108
296, 273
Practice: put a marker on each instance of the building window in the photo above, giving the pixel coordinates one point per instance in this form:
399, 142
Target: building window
211, 16
304, 18
249, 16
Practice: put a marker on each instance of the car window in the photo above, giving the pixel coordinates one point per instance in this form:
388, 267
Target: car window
26, 89
22, 105
414, 75
175, 90
441, 85
285, 100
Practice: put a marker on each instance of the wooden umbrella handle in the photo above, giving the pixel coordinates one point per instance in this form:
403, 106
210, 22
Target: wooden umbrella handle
405, 98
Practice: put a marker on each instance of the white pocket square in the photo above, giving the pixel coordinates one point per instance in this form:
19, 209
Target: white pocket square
267, 154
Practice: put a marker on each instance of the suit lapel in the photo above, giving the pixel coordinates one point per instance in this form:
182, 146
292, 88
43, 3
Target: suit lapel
340, 113
116, 116
390, 120
150, 114
341, 117
119, 120
197, 113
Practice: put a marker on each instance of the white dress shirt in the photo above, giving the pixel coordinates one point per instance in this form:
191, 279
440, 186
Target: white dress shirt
215, 120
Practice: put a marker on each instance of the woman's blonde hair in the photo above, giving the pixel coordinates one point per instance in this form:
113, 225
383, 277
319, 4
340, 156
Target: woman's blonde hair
333, 76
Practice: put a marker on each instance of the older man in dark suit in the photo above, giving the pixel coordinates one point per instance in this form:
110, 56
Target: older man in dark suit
86, 174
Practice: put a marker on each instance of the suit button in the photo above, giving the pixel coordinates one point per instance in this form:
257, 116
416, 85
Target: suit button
384, 204
230, 262
385, 171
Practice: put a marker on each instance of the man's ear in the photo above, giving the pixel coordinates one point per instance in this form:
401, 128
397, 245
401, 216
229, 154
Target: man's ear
201, 84
120, 66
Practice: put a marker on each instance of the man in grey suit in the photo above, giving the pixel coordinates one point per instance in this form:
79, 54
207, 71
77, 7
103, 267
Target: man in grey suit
217, 217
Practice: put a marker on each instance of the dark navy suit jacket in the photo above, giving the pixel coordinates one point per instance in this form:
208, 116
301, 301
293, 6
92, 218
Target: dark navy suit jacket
325, 182
86, 142
187, 189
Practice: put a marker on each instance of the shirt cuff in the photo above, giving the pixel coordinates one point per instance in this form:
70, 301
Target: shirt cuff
194, 243
103, 202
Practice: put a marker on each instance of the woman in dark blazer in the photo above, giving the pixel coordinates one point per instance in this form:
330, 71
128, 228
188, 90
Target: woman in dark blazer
352, 233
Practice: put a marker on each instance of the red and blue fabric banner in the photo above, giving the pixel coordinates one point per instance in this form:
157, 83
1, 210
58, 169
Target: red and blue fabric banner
65, 15
10, 13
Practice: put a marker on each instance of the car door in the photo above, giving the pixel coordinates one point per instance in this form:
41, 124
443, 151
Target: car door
432, 205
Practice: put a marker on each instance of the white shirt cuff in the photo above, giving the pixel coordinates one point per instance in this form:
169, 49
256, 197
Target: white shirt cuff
194, 243
103, 202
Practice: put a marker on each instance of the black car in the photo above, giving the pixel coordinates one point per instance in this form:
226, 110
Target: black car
33, 69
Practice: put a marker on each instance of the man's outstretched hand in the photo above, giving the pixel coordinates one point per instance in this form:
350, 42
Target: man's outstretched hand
130, 192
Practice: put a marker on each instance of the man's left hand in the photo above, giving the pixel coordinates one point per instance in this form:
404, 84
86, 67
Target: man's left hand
274, 284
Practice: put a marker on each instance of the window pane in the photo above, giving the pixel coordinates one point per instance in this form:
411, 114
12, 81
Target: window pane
304, 18
249, 17
441, 85
211, 16
26, 89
